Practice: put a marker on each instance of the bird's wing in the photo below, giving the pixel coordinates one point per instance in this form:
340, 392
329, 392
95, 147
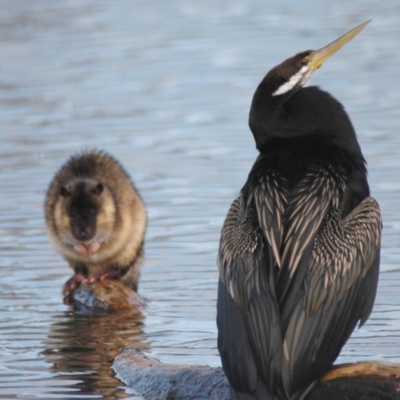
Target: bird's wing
307, 206
270, 197
249, 336
339, 291
241, 251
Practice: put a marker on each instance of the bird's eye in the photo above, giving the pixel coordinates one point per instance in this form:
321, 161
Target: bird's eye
92, 211
73, 212
304, 62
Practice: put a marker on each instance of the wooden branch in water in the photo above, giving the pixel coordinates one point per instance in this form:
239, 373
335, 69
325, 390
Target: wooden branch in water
154, 380
157, 381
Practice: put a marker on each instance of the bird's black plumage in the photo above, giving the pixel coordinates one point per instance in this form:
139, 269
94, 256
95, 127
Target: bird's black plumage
299, 249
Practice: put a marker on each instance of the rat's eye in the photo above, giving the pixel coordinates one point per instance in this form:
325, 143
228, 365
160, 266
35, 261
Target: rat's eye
64, 192
98, 189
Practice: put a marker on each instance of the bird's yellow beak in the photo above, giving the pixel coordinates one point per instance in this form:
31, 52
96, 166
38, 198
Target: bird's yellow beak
318, 57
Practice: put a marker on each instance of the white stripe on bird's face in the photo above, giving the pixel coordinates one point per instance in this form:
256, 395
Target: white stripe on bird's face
298, 79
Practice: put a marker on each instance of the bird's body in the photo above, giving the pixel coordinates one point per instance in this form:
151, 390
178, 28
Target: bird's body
299, 250
96, 219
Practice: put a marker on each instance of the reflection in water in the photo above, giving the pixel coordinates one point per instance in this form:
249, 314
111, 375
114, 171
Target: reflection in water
81, 347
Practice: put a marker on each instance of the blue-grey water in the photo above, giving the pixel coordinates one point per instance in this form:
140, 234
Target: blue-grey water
165, 86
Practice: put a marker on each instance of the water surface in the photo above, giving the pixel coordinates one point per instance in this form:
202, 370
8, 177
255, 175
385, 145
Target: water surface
166, 87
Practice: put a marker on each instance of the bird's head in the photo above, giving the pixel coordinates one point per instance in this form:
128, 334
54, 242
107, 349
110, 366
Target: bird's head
287, 78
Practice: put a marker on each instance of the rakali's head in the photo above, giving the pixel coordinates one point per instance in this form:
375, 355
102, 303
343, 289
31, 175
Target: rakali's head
82, 200
81, 216
287, 78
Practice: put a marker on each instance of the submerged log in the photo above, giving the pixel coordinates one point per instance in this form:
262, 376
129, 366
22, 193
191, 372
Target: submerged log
106, 295
154, 380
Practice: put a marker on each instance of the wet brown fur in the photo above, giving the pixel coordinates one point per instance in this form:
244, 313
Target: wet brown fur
120, 216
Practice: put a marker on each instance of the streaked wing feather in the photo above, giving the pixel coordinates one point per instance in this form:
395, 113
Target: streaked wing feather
343, 253
241, 250
248, 316
308, 205
270, 198
339, 291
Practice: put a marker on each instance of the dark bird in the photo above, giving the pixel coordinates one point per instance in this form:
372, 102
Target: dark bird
299, 251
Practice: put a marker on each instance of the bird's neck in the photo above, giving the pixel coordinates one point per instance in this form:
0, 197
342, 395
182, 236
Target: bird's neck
307, 113
293, 158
